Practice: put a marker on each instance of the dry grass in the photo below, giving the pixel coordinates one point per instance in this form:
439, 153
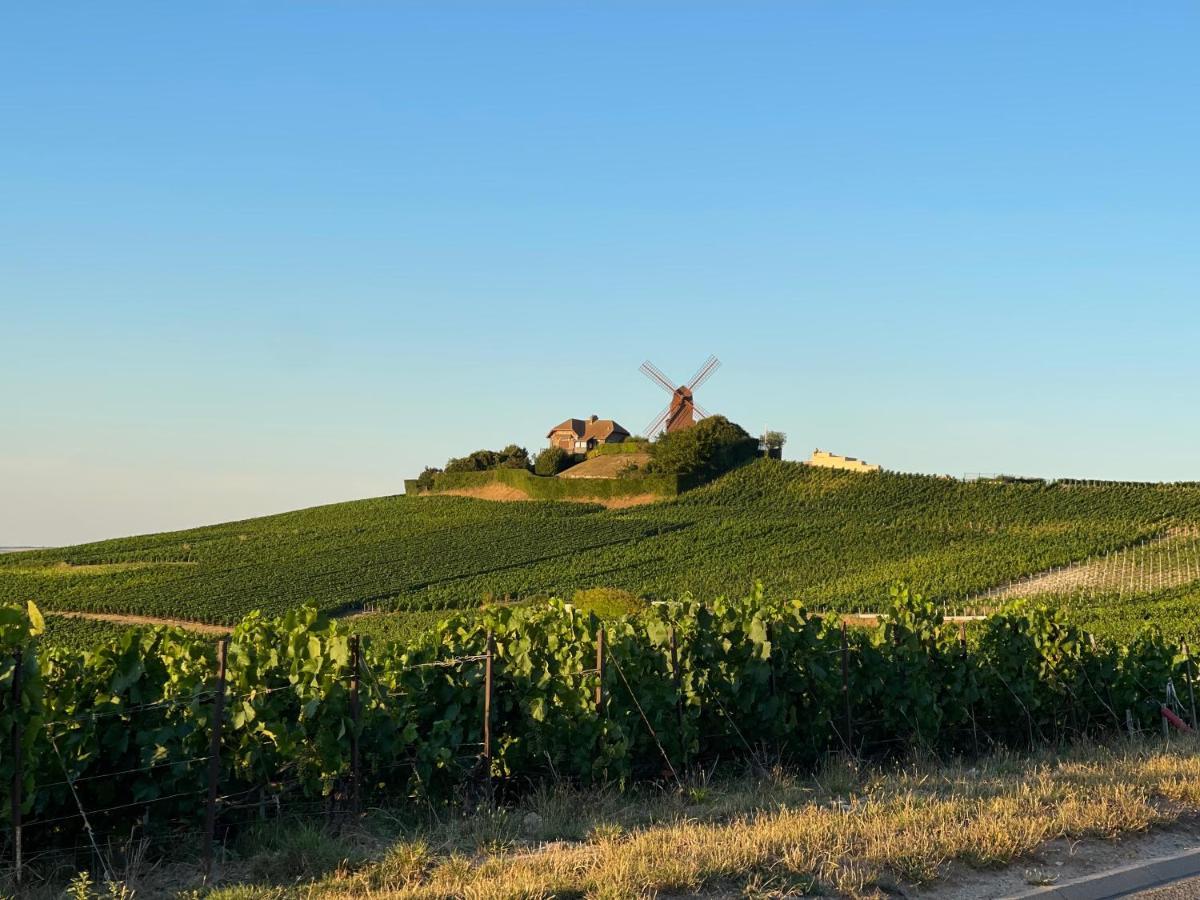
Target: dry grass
131, 619
847, 831
503, 493
63, 569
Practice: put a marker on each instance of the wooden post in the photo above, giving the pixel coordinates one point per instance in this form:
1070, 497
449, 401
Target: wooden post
600, 671
966, 661
355, 718
487, 703
214, 760
675, 676
1187, 656
18, 781
846, 690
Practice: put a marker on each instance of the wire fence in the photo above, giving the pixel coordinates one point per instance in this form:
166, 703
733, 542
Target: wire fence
1164, 561
206, 786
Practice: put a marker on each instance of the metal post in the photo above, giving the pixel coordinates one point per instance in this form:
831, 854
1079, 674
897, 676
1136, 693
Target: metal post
18, 781
846, 689
214, 760
1187, 656
675, 676
600, 671
487, 702
355, 718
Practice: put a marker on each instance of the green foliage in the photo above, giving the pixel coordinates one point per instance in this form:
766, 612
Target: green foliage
630, 445
834, 538
511, 457
18, 629
552, 460
608, 603
686, 683
709, 448
424, 481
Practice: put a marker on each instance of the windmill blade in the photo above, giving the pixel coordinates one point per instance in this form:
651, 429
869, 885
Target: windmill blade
704, 372
701, 412
652, 372
656, 426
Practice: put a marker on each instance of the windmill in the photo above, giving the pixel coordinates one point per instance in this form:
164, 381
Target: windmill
683, 411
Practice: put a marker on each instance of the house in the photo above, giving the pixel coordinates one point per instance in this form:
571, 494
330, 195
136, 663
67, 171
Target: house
581, 435
827, 460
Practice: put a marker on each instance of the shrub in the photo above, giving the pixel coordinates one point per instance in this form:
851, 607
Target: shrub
608, 603
425, 479
511, 457
552, 460
707, 449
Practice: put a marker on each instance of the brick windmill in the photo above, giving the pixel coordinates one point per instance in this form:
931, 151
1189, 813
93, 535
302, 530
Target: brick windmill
683, 411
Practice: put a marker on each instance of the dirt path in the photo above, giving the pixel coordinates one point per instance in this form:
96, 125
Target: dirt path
506, 494
123, 619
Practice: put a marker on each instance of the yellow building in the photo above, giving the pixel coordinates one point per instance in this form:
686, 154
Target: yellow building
832, 461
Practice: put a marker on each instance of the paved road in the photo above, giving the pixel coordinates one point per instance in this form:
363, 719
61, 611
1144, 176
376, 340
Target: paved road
1188, 889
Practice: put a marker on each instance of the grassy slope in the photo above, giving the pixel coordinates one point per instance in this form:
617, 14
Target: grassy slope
834, 539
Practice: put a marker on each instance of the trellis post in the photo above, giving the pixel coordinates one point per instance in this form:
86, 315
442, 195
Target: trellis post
675, 677
18, 781
846, 689
214, 760
355, 718
1187, 657
600, 671
487, 702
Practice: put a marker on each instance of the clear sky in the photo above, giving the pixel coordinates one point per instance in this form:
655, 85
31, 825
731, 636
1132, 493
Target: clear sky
261, 256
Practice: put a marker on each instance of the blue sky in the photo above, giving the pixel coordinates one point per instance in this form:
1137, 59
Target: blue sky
260, 256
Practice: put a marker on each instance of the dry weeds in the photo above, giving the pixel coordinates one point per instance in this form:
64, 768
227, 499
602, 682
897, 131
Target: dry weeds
848, 831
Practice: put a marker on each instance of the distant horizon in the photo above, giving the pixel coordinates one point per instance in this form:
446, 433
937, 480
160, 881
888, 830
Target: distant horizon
269, 256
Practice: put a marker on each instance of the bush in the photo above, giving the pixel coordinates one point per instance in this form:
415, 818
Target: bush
425, 479
552, 460
608, 603
709, 448
511, 457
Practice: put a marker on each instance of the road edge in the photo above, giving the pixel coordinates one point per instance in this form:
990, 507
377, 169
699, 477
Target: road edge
1118, 882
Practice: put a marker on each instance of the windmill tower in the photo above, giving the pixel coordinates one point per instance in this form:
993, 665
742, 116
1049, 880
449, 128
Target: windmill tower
683, 411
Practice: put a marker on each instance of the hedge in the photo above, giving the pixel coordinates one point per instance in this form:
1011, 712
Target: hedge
619, 449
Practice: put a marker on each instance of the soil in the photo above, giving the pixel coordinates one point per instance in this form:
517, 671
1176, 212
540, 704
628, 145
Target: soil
492, 491
1058, 861
505, 494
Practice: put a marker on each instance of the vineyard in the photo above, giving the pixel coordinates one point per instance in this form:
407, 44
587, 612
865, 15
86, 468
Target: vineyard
834, 539
1158, 564
154, 731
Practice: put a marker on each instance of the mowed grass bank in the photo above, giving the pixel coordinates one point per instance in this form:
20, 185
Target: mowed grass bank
835, 540
848, 831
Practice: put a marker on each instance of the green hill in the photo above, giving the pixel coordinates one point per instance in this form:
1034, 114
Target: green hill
835, 540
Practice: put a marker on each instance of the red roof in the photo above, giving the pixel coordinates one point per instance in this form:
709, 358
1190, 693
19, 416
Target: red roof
589, 429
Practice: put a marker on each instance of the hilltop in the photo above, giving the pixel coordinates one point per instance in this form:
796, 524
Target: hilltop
836, 540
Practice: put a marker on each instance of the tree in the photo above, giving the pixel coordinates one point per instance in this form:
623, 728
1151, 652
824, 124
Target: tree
774, 440
552, 460
511, 457
707, 449
425, 479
